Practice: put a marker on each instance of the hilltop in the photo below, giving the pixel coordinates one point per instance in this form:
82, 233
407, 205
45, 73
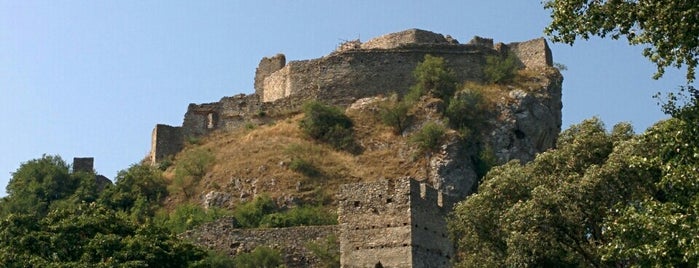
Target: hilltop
257, 146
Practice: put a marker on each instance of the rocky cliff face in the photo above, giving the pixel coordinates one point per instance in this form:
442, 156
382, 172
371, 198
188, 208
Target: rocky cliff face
526, 122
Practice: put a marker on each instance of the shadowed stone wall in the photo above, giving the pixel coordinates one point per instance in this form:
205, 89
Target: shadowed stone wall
397, 223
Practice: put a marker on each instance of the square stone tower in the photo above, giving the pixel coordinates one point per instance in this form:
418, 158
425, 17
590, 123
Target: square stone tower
393, 223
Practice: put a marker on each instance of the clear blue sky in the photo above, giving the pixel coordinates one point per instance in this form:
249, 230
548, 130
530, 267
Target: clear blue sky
92, 78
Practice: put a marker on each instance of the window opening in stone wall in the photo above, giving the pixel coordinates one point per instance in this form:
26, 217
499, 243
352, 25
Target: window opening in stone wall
356, 203
389, 200
210, 121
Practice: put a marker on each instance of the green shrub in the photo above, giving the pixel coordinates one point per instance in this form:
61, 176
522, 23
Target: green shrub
327, 124
500, 70
250, 214
215, 259
432, 76
188, 216
485, 161
190, 169
327, 251
429, 137
304, 167
395, 115
260, 257
466, 112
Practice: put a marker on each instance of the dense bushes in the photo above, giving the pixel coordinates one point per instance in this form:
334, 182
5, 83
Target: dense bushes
328, 124
188, 216
394, 113
467, 111
263, 212
260, 257
190, 169
428, 137
434, 78
499, 69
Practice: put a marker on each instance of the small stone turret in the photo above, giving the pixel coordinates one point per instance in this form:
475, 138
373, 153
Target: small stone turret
83, 164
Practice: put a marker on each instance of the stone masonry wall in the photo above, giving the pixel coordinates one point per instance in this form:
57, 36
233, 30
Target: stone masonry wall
397, 223
266, 67
375, 223
83, 164
385, 64
344, 77
165, 140
533, 53
431, 246
291, 242
411, 36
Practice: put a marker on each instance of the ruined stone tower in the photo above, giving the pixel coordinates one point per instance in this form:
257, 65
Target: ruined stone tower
394, 223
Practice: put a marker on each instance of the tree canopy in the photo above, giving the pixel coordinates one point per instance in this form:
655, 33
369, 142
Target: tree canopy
599, 199
668, 28
56, 218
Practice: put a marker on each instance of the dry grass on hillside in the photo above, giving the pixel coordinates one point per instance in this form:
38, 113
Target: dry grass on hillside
255, 161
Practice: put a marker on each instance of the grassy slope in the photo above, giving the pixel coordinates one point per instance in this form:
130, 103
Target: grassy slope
255, 161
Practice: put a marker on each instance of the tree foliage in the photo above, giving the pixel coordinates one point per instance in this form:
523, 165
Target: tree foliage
599, 199
190, 169
264, 212
669, 28
429, 137
328, 124
394, 113
467, 111
658, 229
41, 184
549, 212
89, 235
137, 191
434, 77
500, 69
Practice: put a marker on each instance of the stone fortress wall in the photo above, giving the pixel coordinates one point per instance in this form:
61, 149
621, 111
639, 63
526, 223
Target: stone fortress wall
397, 223
355, 70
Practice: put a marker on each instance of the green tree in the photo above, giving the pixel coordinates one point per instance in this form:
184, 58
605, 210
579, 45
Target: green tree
138, 191
549, 212
89, 235
434, 77
658, 227
190, 168
394, 113
250, 214
500, 69
669, 28
188, 216
328, 124
467, 112
429, 137
40, 184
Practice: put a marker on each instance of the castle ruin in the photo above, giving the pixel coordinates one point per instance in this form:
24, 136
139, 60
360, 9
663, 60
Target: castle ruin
355, 70
387, 222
